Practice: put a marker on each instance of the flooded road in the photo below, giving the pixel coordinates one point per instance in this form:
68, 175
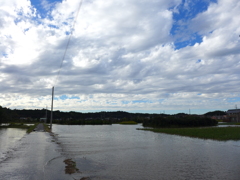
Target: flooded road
35, 157
122, 152
114, 152
9, 140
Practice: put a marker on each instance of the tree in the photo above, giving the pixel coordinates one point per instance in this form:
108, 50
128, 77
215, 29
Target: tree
215, 113
4, 115
1, 115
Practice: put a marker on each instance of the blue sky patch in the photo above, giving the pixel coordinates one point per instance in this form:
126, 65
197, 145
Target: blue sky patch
53, 26
126, 102
43, 7
186, 11
64, 97
17, 20
235, 99
67, 33
141, 101
199, 61
82, 101
110, 102
191, 41
74, 97
5, 55
161, 100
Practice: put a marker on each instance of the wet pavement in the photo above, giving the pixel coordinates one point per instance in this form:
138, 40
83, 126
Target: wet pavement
39, 128
38, 157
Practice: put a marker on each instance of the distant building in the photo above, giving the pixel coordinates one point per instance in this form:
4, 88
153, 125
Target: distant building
44, 120
234, 115
26, 118
224, 118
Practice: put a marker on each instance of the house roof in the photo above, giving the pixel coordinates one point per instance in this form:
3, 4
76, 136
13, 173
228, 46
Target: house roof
233, 111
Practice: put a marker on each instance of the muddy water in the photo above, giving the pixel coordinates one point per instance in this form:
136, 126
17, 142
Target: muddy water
122, 152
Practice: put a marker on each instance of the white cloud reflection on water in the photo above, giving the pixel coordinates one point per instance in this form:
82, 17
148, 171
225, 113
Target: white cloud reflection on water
9, 139
122, 152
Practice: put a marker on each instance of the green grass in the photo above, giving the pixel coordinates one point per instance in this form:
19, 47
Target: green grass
21, 126
128, 122
24, 126
215, 133
31, 128
46, 128
17, 125
229, 123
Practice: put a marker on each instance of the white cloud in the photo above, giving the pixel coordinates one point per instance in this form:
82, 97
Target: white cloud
120, 51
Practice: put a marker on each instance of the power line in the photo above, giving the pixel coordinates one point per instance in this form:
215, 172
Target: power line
70, 36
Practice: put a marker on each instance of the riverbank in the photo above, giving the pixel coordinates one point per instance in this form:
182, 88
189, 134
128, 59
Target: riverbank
215, 133
128, 123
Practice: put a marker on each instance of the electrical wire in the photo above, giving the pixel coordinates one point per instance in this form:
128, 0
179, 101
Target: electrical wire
69, 39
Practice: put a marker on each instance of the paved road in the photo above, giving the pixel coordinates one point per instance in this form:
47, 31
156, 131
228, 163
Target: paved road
36, 157
40, 128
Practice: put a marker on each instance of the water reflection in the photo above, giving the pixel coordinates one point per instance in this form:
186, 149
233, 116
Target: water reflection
9, 138
122, 152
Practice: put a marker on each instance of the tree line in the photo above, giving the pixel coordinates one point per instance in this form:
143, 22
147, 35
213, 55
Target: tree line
104, 117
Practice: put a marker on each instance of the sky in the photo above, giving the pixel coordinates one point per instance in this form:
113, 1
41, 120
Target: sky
147, 56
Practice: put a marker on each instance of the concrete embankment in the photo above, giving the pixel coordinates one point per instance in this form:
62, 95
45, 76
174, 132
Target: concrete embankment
38, 157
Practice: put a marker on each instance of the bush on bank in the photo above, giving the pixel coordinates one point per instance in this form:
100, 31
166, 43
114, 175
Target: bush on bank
187, 121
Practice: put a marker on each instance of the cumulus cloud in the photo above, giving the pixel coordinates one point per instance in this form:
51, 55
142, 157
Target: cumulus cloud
122, 55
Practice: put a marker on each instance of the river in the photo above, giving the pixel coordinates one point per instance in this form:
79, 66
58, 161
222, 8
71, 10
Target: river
122, 152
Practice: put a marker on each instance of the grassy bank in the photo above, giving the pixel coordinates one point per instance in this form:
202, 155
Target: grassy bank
28, 128
31, 128
229, 123
218, 133
47, 128
128, 122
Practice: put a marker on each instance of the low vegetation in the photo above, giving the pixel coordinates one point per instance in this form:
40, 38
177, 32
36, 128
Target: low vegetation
70, 167
215, 133
128, 122
18, 125
84, 122
182, 121
228, 123
29, 128
46, 128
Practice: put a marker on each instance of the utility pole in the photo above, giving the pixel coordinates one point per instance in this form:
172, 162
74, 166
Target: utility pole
52, 108
46, 115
